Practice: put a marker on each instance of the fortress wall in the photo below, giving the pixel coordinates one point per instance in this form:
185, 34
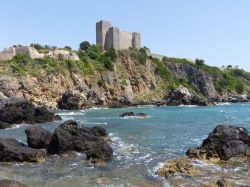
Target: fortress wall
125, 40
136, 40
7, 54
113, 40
22, 50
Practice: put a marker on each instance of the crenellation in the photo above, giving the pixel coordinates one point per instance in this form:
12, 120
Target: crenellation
113, 37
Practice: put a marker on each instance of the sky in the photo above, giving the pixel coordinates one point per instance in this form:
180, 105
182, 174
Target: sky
217, 31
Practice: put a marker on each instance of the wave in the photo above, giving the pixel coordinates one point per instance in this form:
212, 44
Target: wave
146, 106
223, 104
17, 126
76, 113
188, 106
134, 117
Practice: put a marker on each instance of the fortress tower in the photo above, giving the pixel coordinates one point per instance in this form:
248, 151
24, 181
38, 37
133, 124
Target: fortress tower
112, 37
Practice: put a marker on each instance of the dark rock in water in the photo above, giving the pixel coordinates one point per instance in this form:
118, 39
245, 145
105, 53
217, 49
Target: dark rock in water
225, 142
127, 114
99, 151
4, 125
132, 114
19, 110
99, 131
12, 150
142, 115
11, 183
38, 137
70, 137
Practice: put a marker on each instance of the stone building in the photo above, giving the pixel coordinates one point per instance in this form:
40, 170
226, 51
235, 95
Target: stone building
9, 53
113, 37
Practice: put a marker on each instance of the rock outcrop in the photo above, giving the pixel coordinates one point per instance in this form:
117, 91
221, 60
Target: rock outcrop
12, 150
72, 100
225, 142
11, 183
16, 110
182, 96
199, 79
38, 137
70, 137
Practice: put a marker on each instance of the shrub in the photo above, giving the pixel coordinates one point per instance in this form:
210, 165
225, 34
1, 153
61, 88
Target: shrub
36, 46
199, 62
84, 45
111, 54
68, 48
239, 87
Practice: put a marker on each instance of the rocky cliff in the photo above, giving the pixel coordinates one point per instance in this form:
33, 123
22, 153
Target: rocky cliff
126, 77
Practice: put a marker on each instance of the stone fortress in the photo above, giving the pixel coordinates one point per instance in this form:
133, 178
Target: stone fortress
113, 37
106, 36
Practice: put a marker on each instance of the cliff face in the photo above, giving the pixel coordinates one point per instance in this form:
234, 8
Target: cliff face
200, 80
132, 80
127, 83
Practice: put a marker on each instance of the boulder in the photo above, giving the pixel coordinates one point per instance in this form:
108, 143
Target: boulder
182, 96
11, 183
225, 142
19, 110
99, 131
70, 137
72, 100
12, 150
4, 125
38, 137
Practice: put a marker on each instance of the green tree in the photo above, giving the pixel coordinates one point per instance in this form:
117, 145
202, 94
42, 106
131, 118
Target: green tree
84, 45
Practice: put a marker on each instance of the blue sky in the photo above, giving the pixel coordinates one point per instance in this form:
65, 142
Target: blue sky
217, 31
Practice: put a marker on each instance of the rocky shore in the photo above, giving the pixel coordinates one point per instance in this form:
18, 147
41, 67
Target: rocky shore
226, 145
68, 137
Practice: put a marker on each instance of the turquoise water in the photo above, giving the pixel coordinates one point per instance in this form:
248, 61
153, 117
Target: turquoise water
139, 145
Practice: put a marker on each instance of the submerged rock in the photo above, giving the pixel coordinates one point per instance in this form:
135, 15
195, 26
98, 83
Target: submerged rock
70, 137
225, 142
12, 150
11, 183
38, 137
180, 165
16, 110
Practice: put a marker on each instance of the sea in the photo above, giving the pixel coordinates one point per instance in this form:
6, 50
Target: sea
141, 146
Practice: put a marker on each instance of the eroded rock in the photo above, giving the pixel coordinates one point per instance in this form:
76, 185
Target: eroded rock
38, 137
12, 150
70, 137
225, 142
16, 110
